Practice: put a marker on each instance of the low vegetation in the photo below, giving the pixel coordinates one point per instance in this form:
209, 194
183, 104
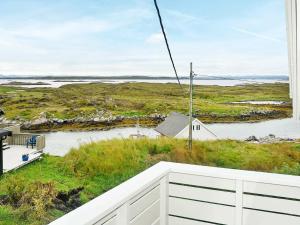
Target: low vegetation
212, 103
47, 189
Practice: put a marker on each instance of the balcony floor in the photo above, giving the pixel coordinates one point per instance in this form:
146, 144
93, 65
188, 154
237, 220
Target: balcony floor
12, 157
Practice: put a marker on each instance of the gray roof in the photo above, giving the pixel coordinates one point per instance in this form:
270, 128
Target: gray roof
173, 124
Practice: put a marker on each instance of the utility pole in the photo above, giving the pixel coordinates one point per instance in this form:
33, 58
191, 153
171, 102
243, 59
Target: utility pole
191, 109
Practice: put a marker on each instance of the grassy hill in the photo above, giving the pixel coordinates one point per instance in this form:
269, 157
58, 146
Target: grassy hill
49, 188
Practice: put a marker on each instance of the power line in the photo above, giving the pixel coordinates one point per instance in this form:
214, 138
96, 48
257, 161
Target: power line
166, 40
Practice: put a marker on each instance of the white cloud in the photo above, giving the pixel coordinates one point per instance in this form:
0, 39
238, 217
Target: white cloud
59, 30
74, 46
156, 38
258, 35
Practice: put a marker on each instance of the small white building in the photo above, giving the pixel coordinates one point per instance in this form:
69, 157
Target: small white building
176, 125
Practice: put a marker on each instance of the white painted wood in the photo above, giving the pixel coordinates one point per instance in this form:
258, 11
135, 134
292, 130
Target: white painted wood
143, 192
203, 134
118, 199
202, 194
273, 190
239, 203
157, 222
202, 211
272, 204
252, 217
289, 28
180, 221
164, 195
122, 217
293, 31
203, 181
296, 78
108, 220
112, 221
144, 202
232, 174
12, 158
149, 216
100, 207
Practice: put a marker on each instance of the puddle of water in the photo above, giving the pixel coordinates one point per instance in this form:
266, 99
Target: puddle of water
260, 102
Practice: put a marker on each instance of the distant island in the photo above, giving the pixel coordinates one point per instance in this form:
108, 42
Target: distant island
17, 83
142, 77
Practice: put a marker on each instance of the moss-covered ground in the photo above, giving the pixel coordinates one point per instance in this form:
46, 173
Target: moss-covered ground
211, 103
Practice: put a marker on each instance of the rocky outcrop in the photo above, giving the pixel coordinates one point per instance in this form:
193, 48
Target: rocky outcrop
97, 122
271, 138
252, 139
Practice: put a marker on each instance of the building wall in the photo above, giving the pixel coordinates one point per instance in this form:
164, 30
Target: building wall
15, 129
202, 134
293, 30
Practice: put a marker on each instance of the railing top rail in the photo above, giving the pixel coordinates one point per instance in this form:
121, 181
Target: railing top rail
271, 178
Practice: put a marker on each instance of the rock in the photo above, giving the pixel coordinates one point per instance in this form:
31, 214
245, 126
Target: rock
96, 119
58, 121
252, 138
1, 112
43, 115
272, 136
39, 121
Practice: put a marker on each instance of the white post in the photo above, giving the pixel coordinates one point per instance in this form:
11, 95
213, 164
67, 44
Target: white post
239, 202
122, 215
164, 206
293, 31
289, 30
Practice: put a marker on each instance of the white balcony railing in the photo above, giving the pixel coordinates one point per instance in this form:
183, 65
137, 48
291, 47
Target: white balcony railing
180, 194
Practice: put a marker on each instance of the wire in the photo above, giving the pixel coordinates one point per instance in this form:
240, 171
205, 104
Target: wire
166, 40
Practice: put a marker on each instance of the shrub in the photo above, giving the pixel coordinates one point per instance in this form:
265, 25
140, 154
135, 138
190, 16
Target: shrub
32, 200
15, 189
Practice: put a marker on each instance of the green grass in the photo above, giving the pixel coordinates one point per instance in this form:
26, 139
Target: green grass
211, 103
101, 166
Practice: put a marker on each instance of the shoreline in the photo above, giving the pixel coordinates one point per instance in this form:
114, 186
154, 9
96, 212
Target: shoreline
56, 125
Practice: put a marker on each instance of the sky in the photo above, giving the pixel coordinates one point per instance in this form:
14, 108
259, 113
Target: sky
105, 37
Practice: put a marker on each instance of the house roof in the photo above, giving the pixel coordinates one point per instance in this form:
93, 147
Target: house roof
173, 124
4, 133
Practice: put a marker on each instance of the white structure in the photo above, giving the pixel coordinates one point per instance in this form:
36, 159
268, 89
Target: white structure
180, 194
16, 147
293, 31
177, 125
